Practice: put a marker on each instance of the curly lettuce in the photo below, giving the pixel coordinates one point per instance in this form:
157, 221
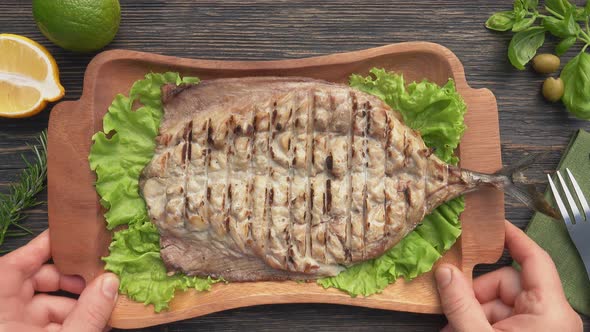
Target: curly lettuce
437, 113
135, 258
118, 155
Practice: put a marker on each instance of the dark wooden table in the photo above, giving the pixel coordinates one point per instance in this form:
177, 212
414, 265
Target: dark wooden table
287, 29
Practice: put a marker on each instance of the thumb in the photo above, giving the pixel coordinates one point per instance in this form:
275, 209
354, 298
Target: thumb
94, 307
458, 301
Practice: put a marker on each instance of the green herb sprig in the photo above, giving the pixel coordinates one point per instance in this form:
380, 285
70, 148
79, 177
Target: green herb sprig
23, 194
562, 19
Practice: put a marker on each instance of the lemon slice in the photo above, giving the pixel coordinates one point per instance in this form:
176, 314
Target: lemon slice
29, 77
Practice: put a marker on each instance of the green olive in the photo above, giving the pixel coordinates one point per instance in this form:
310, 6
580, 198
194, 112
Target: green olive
546, 63
553, 89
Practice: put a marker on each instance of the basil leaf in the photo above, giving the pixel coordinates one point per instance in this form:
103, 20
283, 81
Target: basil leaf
559, 6
576, 79
524, 46
564, 28
525, 5
565, 45
531, 4
581, 14
501, 21
519, 10
524, 23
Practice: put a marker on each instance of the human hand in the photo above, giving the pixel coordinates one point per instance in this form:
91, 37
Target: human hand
505, 299
24, 306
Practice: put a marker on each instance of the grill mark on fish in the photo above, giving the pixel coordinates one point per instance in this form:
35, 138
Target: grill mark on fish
207, 160
188, 137
230, 142
251, 175
328, 197
291, 172
309, 164
365, 165
348, 234
269, 195
328, 216
386, 157
388, 216
329, 162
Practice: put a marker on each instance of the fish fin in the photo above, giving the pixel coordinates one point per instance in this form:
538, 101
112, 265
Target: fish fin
510, 179
522, 164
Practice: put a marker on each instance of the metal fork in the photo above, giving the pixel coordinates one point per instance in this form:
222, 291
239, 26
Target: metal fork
579, 230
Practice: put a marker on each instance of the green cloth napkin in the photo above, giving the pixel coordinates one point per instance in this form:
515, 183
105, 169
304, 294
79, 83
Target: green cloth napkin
553, 235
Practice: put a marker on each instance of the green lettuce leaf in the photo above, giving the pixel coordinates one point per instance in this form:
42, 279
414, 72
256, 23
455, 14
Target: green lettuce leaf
118, 155
126, 145
135, 258
437, 113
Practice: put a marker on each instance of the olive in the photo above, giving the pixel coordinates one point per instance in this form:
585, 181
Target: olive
553, 89
546, 63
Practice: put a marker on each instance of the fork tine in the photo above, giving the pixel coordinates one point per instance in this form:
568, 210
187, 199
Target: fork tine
580, 194
570, 199
562, 209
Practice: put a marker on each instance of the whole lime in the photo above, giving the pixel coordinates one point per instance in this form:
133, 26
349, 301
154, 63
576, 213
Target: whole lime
78, 25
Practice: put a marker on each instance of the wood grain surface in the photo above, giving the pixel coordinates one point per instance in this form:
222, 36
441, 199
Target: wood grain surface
265, 30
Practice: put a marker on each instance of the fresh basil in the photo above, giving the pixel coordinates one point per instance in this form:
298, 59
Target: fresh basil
565, 45
562, 19
501, 21
524, 46
525, 5
531, 4
559, 6
562, 28
524, 23
576, 78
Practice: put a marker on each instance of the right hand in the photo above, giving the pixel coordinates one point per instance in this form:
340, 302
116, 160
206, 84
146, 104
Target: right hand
506, 299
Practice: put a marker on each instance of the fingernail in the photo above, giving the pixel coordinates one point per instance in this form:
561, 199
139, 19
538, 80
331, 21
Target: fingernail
443, 276
110, 286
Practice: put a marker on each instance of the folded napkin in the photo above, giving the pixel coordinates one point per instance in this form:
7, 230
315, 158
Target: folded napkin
553, 235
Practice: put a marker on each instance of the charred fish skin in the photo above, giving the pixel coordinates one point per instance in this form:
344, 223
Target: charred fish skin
286, 178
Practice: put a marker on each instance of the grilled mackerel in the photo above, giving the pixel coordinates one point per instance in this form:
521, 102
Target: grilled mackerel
287, 178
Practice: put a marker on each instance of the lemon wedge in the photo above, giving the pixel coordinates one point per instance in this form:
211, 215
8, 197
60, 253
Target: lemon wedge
29, 77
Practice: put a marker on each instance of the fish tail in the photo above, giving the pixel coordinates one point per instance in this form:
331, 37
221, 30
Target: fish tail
506, 180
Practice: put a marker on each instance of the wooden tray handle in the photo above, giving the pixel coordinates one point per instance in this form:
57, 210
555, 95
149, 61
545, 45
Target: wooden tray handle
68, 209
481, 247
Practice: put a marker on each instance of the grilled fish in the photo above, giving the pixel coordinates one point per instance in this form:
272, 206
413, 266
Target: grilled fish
288, 178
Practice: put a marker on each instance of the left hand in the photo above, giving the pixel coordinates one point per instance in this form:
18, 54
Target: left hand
24, 306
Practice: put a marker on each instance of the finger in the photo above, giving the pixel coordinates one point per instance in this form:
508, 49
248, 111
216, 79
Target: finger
538, 269
48, 279
53, 327
496, 311
18, 326
29, 258
94, 306
503, 284
45, 309
458, 301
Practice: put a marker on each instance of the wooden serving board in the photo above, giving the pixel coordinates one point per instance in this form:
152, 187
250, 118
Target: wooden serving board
79, 237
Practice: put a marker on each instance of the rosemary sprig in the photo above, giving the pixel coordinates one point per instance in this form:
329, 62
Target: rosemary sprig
22, 194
